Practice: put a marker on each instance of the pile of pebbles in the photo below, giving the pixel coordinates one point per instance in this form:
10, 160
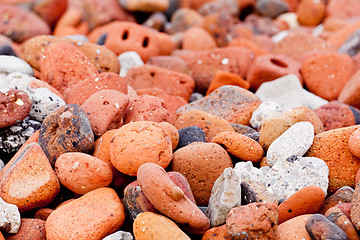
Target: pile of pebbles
179, 119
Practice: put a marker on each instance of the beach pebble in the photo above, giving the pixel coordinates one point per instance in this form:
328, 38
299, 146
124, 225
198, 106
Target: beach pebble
246, 171
294, 141
196, 39
293, 229
222, 78
129, 60
336, 216
225, 195
311, 12
9, 64
267, 109
9, 217
30, 228
342, 195
253, 191
319, 227
189, 135
171, 62
122, 235
354, 142
271, 8
216, 233
350, 92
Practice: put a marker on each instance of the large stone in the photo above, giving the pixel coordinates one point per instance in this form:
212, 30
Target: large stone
9, 217
267, 109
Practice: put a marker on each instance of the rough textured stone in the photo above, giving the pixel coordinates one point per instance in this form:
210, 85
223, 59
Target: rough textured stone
9, 217
342, 195
225, 195
336, 216
119, 235
30, 228
253, 191
267, 109
293, 229
319, 227
246, 171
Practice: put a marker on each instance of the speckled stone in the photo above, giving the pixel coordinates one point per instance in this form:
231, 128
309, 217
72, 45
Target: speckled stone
211, 158
355, 208
350, 92
246, 171
216, 233
171, 62
253, 191
29, 181
336, 216
189, 135
342, 195
342, 167
171, 133
319, 227
43, 213
9, 217
67, 129
232, 103
30, 228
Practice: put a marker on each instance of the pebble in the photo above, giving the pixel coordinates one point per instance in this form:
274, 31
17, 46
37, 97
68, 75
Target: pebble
189, 135
311, 12
336, 216
197, 39
129, 60
267, 109
9, 217
349, 93
10, 64
319, 227
119, 235
30, 228
216, 233
222, 78
293, 229
246, 171
342, 195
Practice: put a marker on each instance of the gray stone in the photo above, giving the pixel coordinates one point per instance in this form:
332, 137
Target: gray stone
9, 217
267, 109
319, 227
253, 191
285, 178
288, 91
242, 129
271, 8
225, 195
128, 60
9, 64
195, 96
352, 45
119, 235
294, 141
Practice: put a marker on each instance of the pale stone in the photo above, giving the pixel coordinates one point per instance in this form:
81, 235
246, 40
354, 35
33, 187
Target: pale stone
266, 110
119, 235
9, 217
225, 195
246, 170
9, 64
128, 60
294, 141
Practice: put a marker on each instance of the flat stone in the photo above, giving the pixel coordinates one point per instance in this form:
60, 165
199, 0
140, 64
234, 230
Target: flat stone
9, 217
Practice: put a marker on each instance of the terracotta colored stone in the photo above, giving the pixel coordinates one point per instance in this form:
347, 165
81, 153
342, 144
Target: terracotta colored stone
30, 229
209, 157
82, 173
92, 216
337, 115
342, 167
156, 20
170, 62
216, 233
210, 124
147, 108
196, 39
249, 44
343, 9
345, 208
150, 225
319, 227
270, 67
170, 200
103, 59
222, 78
43, 213
296, 44
105, 110
204, 64
232, 103
342, 195
124, 36
15, 106
335, 215
292, 4
339, 37
137, 143
252, 221
172, 82
293, 229
29, 181
20, 25
50, 10
64, 65
326, 74
351, 91
171, 132
102, 147
306, 200
89, 86
310, 12
240, 146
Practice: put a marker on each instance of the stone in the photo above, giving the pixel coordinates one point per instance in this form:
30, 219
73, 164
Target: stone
293, 229
197, 39
288, 92
354, 143
9, 217
102, 147
50, 11
343, 167
294, 141
11, 64
267, 109
318, 227
171, 62
28, 181
271, 8
171, 133
354, 212
342, 195
129, 60
352, 45
336, 216
342, 9
311, 12
232, 103
67, 129
151, 226
350, 92
216, 233
170, 200
306, 200
147, 6
189, 135
119, 235
225, 195
210, 157
82, 173
250, 44
253, 221
246, 171
156, 21
185, 18
15, 106
253, 191
285, 178
240, 146
222, 78
243, 129
43, 213
139, 142
105, 110
30, 228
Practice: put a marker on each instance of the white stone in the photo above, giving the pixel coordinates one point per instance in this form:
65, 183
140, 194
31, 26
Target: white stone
9, 64
9, 217
294, 141
246, 170
285, 178
128, 60
288, 91
225, 195
266, 110
119, 235
290, 18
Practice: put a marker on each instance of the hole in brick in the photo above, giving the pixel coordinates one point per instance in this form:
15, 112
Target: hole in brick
279, 63
125, 35
152, 74
145, 42
105, 103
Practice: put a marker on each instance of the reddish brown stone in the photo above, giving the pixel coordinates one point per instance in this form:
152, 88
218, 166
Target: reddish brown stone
350, 94
170, 62
310, 12
336, 216
216, 233
43, 213
50, 10
196, 39
342, 195
33, 229
222, 78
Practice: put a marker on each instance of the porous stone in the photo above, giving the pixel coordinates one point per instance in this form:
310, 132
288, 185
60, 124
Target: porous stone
30, 228
246, 170
128, 60
293, 229
119, 235
267, 109
253, 191
294, 141
9, 217
225, 195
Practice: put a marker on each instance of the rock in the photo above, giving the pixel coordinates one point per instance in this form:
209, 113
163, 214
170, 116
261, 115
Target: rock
271, 8
151, 6
197, 39
352, 45
151, 226
223, 78
253, 191
119, 235
253, 221
310, 12
336, 216
354, 143
285, 178
225, 195
342, 195
67, 129
9, 217
246, 171
355, 208
216, 233
210, 157
11, 64
189, 135
267, 109
43, 213
293, 229
289, 93
129, 60
350, 92
171, 133
171, 62
337, 9
92, 216
318, 227
243, 129
294, 141
30, 228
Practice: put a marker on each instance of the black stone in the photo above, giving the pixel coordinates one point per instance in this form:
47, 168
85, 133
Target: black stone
189, 135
